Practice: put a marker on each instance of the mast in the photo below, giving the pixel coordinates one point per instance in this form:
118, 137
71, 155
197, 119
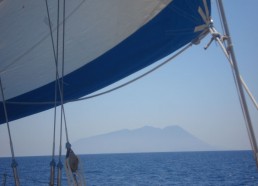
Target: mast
231, 53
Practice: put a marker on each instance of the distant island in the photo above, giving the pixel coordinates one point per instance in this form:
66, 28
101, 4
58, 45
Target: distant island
145, 139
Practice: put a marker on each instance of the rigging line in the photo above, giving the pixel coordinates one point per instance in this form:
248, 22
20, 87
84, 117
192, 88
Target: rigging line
59, 164
249, 93
226, 52
242, 80
51, 30
6, 118
115, 88
236, 74
213, 31
61, 99
63, 58
57, 50
53, 163
55, 56
137, 78
56, 62
57, 37
241, 101
220, 17
245, 111
14, 163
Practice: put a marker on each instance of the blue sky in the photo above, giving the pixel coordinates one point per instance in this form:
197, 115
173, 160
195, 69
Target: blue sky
196, 91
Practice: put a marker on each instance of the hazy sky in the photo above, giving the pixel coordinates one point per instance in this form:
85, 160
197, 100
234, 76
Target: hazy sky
195, 91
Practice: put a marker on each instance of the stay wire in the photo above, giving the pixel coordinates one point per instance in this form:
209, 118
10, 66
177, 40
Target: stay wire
6, 118
63, 63
55, 52
220, 18
14, 163
228, 56
241, 104
241, 97
238, 80
56, 64
59, 87
55, 57
59, 165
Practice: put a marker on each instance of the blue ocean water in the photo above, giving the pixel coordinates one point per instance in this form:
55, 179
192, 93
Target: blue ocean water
175, 168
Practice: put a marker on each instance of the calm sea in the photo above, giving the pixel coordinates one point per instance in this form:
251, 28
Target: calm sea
177, 168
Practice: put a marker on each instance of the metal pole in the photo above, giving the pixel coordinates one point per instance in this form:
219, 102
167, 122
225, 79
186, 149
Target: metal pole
239, 85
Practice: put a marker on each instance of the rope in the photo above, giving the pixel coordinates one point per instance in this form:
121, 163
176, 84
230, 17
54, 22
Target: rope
61, 91
59, 165
60, 86
137, 78
55, 56
63, 57
51, 30
113, 89
53, 163
6, 118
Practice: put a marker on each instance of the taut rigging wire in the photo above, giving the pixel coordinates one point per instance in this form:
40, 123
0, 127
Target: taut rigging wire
55, 52
14, 163
59, 86
231, 56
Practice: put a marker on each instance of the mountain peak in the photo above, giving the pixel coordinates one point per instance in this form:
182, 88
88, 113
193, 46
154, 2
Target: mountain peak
144, 139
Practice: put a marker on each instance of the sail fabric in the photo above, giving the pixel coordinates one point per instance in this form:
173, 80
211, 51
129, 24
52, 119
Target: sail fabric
105, 41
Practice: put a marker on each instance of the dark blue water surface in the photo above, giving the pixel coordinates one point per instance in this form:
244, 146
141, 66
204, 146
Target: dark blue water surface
175, 168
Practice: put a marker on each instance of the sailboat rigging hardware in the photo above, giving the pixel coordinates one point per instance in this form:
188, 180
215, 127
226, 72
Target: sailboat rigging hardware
230, 55
223, 38
215, 34
74, 170
53, 163
189, 24
59, 85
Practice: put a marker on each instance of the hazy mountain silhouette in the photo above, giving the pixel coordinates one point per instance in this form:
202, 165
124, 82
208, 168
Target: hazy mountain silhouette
145, 139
